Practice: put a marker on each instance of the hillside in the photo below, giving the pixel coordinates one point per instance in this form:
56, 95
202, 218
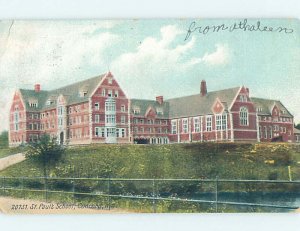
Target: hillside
205, 160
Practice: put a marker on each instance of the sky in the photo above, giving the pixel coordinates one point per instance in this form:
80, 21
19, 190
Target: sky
151, 57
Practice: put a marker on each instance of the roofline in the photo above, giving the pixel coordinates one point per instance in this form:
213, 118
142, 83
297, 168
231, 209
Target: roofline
200, 94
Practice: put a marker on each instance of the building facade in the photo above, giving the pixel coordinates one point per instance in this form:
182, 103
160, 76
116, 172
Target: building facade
97, 110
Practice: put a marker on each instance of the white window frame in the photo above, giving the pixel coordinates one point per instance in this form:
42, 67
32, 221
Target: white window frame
197, 125
244, 116
174, 126
185, 126
208, 123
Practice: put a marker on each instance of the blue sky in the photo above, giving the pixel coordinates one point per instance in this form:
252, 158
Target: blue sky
150, 57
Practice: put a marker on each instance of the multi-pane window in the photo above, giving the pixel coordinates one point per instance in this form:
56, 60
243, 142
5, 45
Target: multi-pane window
218, 122
103, 92
185, 125
97, 118
174, 126
110, 119
110, 132
109, 93
224, 122
208, 123
244, 117
197, 127
110, 106
243, 98
270, 132
123, 119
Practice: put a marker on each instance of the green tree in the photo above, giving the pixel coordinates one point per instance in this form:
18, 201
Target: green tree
297, 126
46, 152
4, 139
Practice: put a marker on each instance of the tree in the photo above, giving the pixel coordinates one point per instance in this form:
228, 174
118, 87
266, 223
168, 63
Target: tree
4, 139
297, 126
46, 152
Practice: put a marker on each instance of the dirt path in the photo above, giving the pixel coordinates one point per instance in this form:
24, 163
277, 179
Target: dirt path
10, 206
11, 160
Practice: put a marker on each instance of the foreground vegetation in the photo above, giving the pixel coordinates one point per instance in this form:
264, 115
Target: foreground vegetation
205, 161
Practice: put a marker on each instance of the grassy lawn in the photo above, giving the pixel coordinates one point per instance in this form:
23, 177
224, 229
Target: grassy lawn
4, 152
205, 160
198, 160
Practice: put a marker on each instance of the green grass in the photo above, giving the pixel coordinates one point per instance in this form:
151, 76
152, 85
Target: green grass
4, 152
206, 160
198, 160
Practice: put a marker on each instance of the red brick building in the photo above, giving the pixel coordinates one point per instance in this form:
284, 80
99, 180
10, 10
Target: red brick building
97, 111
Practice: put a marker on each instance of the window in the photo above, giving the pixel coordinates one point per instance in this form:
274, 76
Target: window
270, 132
123, 132
159, 111
110, 119
103, 92
174, 127
276, 128
136, 110
224, 122
122, 108
243, 98
109, 93
259, 109
110, 106
218, 122
123, 119
260, 133
266, 132
109, 80
116, 93
244, 120
208, 123
197, 124
97, 118
97, 106
110, 132
141, 121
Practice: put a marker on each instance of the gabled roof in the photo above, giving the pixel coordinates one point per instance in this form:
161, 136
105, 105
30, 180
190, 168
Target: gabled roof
29, 95
144, 104
200, 105
70, 92
296, 131
266, 106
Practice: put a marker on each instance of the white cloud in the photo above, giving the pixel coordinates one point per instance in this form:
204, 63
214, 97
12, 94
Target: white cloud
49, 52
219, 57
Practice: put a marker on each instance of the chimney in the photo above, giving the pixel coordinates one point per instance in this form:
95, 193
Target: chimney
37, 87
203, 89
160, 99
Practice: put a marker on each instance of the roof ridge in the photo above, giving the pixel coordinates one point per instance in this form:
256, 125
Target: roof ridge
77, 83
210, 92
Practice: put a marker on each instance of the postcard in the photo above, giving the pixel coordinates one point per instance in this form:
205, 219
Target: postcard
149, 116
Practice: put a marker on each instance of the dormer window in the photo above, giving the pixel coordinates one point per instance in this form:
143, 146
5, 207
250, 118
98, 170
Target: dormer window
259, 109
49, 102
159, 111
33, 103
136, 110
